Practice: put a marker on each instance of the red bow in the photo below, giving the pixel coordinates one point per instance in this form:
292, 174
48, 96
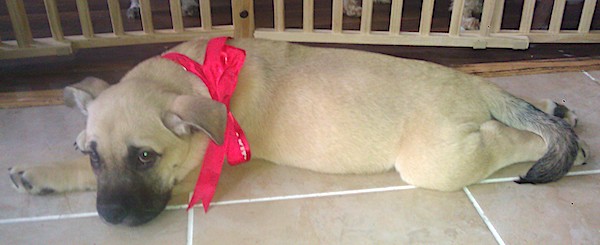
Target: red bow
222, 64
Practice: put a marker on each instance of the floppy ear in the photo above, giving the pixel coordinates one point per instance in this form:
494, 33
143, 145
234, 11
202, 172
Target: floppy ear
82, 93
189, 113
80, 141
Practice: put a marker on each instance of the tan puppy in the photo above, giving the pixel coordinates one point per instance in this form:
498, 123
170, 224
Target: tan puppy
327, 110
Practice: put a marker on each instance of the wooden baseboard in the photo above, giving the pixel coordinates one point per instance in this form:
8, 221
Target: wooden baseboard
31, 98
515, 68
497, 69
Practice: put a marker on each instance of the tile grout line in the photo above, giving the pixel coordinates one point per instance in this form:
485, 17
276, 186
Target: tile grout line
362, 191
482, 215
190, 228
276, 198
583, 172
315, 195
498, 180
300, 196
48, 218
590, 77
510, 179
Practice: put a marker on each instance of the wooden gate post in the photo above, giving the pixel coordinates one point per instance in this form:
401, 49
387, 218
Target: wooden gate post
243, 18
20, 23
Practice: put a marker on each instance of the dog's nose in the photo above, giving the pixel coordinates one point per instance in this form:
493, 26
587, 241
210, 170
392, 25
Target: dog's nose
114, 214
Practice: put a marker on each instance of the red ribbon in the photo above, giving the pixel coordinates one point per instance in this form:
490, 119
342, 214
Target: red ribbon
222, 64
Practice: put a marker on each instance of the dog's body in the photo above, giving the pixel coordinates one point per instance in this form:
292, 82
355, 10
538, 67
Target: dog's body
327, 110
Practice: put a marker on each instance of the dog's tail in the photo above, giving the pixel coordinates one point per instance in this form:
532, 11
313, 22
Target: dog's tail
561, 140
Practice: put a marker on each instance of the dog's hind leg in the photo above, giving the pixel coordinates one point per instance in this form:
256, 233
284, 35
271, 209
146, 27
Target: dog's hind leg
474, 156
76, 175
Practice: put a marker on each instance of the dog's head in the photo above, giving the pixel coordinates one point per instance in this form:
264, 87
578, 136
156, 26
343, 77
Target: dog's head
141, 140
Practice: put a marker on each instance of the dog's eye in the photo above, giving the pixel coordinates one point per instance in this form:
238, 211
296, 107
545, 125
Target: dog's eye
147, 158
93, 154
94, 158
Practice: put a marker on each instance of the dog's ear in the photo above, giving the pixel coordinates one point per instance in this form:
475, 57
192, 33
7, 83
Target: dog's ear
82, 93
189, 113
80, 141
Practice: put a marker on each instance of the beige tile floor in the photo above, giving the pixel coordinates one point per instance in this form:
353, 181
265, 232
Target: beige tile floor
261, 203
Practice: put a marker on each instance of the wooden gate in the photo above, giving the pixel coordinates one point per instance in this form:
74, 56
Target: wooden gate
25, 45
491, 35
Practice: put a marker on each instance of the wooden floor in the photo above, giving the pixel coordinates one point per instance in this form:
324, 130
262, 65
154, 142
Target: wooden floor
46, 75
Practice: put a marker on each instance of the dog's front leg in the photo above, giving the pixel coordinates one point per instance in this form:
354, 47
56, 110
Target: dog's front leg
75, 175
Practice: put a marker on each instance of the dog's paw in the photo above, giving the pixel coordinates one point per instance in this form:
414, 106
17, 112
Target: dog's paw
32, 180
470, 23
560, 111
584, 153
133, 12
566, 114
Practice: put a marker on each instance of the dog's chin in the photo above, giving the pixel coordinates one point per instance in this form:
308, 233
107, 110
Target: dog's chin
134, 218
133, 215
139, 219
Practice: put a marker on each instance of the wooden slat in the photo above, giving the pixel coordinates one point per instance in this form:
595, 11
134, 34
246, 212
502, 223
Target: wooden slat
308, 15
383, 38
366, 18
20, 23
115, 17
243, 27
586, 16
205, 15
43, 47
527, 16
558, 11
426, 17
565, 36
487, 14
337, 16
279, 15
87, 29
497, 19
396, 17
456, 18
146, 14
139, 37
176, 15
54, 20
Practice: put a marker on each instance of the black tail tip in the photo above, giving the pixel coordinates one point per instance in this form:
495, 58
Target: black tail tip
523, 180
